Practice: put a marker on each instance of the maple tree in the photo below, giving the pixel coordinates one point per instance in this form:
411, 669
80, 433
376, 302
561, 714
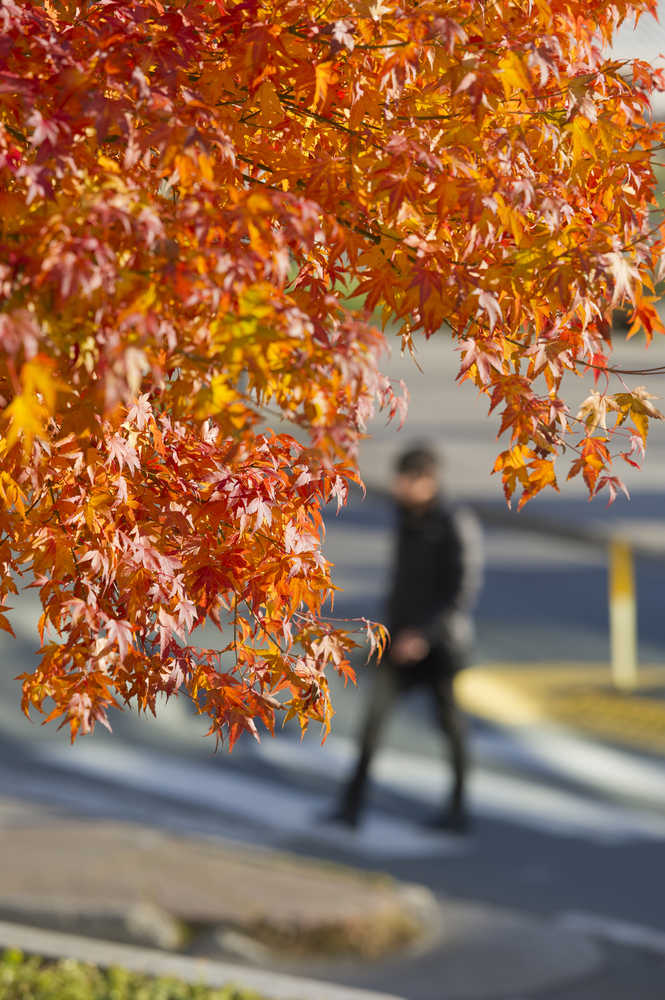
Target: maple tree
190, 191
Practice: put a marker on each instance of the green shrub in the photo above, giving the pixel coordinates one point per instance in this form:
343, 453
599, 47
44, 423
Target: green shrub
29, 978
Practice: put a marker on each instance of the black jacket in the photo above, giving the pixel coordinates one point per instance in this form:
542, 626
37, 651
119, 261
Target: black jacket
427, 572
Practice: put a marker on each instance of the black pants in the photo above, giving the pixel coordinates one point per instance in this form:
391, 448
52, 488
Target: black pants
435, 673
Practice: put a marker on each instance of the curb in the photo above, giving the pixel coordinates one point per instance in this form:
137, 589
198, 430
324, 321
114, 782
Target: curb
272, 985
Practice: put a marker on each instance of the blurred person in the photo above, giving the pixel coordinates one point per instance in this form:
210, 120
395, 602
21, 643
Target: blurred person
435, 578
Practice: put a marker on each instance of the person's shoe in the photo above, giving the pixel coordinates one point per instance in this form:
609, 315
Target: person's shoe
343, 815
452, 820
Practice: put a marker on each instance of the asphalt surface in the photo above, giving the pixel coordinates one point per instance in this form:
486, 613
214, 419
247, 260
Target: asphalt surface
551, 840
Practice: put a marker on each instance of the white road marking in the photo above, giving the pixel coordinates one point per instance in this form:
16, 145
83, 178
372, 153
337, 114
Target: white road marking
617, 931
616, 772
276, 807
527, 802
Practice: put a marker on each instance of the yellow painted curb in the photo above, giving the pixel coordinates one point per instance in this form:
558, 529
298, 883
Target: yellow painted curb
578, 696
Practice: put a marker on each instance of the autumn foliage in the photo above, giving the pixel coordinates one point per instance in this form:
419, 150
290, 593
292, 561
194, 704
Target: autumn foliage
189, 194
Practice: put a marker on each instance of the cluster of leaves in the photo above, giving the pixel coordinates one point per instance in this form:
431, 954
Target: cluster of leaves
31, 978
188, 191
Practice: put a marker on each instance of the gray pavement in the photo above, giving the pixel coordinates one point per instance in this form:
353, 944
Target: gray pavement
526, 900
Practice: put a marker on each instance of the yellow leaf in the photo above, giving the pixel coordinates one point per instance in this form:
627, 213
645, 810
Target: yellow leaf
271, 109
323, 73
513, 75
513, 458
186, 171
37, 377
605, 137
11, 493
26, 417
205, 168
108, 164
582, 140
222, 392
641, 421
141, 304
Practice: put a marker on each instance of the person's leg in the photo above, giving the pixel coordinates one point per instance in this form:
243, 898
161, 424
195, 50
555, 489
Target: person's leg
382, 696
454, 731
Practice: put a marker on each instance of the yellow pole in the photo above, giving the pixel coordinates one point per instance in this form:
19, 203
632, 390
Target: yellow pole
623, 615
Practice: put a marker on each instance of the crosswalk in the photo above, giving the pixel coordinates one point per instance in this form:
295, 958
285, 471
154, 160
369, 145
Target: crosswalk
527, 801
267, 795
542, 781
281, 811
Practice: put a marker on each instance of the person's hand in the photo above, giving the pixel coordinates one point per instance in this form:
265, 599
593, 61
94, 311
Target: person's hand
409, 646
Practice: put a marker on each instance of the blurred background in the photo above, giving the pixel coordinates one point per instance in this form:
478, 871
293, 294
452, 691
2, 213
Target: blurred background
568, 779
567, 730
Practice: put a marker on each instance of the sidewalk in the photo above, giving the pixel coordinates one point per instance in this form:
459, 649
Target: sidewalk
149, 887
578, 697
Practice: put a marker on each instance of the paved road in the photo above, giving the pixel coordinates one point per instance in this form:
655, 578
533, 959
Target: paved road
545, 842
557, 834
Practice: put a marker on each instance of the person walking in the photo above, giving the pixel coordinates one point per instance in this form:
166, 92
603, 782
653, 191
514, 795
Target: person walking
435, 577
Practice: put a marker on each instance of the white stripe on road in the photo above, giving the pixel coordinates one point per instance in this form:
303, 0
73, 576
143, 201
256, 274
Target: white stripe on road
602, 768
619, 932
277, 807
530, 803
285, 810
